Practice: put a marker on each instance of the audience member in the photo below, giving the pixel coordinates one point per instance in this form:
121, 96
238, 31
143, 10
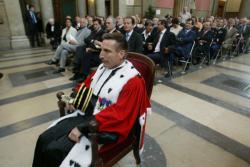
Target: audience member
133, 38
53, 31
31, 19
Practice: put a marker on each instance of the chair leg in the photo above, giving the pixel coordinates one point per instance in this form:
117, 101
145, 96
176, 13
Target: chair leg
186, 66
202, 62
217, 55
137, 156
170, 69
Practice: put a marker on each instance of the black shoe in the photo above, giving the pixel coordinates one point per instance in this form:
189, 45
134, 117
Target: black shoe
51, 62
59, 71
75, 77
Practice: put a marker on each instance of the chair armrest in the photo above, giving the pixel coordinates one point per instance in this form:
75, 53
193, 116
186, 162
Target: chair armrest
96, 160
61, 104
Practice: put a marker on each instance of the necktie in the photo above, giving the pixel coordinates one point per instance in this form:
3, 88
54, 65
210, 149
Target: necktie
127, 36
33, 17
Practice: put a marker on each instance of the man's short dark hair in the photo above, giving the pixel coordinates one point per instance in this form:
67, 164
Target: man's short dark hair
31, 6
188, 20
163, 22
149, 22
118, 37
175, 21
131, 18
98, 20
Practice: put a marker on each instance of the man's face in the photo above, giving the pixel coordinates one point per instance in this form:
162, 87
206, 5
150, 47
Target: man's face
68, 23
96, 25
149, 28
188, 25
110, 55
83, 22
160, 26
128, 26
109, 24
206, 25
77, 19
32, 9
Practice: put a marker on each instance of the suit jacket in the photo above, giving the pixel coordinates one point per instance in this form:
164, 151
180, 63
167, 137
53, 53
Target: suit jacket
230, 35
150, 39
205, 36
30, 21
95, 35
135, 43
220, 35
184, 41
245, 31
71, 33
168, 41
56, 34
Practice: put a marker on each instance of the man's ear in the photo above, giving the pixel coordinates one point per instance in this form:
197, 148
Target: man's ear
123, 54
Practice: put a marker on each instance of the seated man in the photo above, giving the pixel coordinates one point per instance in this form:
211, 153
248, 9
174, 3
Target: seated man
203, 41
162, 44
88, 56
219, 37
119, 95
184, 42
53, 31
230, 37
70, 45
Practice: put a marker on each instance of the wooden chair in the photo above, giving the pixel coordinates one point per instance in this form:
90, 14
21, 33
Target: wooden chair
147, 69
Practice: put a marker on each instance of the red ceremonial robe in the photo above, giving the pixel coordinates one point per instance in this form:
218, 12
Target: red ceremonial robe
121, 116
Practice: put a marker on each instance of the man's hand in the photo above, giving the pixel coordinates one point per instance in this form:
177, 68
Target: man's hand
72, 42
166, 50
150, 46
75, 135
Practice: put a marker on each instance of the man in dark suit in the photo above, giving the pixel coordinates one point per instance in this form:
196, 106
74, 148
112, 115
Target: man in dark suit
244, 30
53, 31
162, 45
219, 37
185, 39
133, 38
32, 25
88, 56
184, 43
203, 41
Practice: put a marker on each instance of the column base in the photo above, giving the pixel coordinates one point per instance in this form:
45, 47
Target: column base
19, 42
5, 43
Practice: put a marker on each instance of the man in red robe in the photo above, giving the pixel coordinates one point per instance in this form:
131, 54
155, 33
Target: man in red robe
114, 95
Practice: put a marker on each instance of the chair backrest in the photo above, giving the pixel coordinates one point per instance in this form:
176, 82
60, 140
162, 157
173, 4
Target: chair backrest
146, 67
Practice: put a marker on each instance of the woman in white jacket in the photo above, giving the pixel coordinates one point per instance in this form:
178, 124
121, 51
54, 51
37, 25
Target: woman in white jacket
60, 56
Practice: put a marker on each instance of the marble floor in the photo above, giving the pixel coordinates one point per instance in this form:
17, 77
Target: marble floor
198, 119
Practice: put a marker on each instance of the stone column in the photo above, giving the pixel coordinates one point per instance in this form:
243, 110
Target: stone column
18, 39
100, 8
122, 8
91, 7
82, 8
179, 4
47, 11
213, 7
244, 9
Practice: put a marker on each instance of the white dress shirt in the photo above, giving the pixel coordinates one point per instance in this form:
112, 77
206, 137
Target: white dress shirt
157, 47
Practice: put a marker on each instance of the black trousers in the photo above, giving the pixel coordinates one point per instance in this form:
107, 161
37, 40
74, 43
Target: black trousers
33, 31
53, 145
89, 59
